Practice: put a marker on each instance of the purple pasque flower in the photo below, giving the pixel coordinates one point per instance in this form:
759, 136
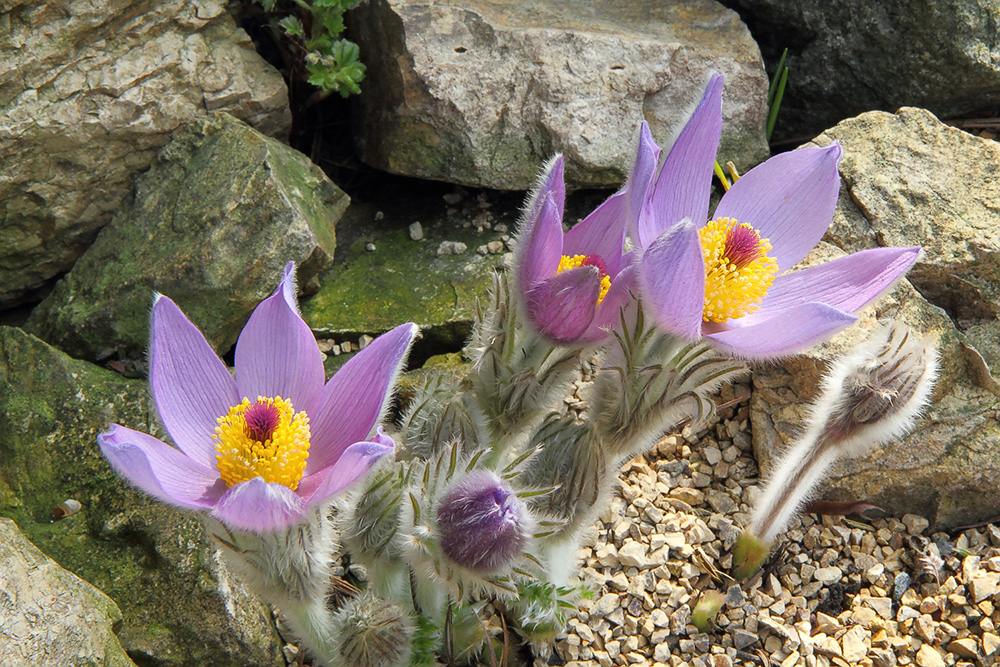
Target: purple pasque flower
573, 284
727, 278
258, 450
482, 525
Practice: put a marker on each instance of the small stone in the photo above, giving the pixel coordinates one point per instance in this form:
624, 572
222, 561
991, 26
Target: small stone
924, 626
854, 644
991, 644
661, 653
984, 585
379, 216
494, 247
915, 524
451, 248
416, 232
927, 656
828, 575
370, 247
364, 340
452, 198
633, 554
742, 638
964, 648
290, 651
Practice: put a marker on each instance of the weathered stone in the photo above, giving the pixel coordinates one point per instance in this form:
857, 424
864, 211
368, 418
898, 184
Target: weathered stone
89, 91
914, 180
180, 605
214, 222
903, 185
483, 92
49, 616
850, 56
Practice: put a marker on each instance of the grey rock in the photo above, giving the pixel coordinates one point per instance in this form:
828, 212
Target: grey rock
90, 90
49, 616
851, 56
180, 605
483, 92
908, 179
212, 225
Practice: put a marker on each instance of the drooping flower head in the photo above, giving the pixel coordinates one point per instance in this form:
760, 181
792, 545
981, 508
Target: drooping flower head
258, 450
726, 278
572, 285
482, 525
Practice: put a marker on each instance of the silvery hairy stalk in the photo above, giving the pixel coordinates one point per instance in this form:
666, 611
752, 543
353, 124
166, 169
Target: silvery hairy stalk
868, 397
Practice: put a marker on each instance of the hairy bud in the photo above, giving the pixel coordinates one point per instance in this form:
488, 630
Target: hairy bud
372, 632
482, 525
868, 397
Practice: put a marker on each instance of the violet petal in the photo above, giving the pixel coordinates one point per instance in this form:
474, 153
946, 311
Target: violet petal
356, 397
562, 307
685, 182
670, 275
276, 354
260, 507
352, 465
608, 313
601, 233
160, 470
789, 200
191, 386
846, 283
539, 245
761, 338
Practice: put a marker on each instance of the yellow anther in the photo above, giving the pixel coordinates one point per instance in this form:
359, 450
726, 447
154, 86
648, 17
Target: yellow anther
274, 445
738, 271
567, 262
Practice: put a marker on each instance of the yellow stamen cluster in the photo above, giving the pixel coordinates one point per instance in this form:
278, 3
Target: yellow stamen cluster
738, 271
576, 261
281, 458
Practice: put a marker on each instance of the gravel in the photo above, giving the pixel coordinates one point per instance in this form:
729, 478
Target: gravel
839, 592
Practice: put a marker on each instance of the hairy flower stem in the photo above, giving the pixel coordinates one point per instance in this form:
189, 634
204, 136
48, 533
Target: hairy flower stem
649, 383
870, 396
290, 569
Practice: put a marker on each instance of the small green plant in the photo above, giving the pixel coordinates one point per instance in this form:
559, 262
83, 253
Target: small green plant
311, 29
776, 92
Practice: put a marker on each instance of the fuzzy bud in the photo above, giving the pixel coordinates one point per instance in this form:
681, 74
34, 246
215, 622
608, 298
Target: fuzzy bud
873, 395
868, 397
482, 525
371, 632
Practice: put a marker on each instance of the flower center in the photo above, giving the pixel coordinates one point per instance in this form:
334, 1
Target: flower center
576, 261
738, 271
262, 439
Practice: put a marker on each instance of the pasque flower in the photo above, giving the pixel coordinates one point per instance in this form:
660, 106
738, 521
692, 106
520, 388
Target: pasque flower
257, 450
573, 284
726, 278
482, 525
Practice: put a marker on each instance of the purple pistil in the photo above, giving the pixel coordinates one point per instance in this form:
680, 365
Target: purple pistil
262, 419
742, 245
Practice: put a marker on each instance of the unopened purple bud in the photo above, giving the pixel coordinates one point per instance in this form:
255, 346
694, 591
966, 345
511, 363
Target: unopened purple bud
482, 525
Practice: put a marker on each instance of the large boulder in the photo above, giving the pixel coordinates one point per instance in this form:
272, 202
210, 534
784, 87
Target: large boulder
180, 605
482, 92
908, 179
50, 616
90, 90
213, 223
850, 56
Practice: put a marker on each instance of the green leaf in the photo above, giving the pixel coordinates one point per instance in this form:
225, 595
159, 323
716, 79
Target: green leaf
292, 26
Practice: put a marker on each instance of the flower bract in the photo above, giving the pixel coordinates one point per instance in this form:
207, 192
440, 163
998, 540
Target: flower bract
727, 277
260, 449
